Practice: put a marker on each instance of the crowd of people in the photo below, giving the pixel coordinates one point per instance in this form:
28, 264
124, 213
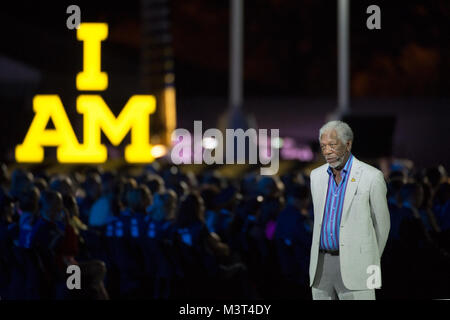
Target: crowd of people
165, 234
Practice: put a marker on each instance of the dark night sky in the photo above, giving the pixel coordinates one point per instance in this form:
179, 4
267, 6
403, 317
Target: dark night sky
290, 46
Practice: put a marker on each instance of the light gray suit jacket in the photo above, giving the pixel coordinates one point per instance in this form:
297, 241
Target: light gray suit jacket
364, 227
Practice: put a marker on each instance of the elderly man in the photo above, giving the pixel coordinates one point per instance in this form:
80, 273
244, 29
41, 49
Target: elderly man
351, 220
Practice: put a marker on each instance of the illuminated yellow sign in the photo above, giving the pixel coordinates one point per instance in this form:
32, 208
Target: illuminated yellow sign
97, 117
91, 78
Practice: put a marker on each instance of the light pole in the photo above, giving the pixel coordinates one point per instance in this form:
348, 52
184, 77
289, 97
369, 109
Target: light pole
343, 78
236, 53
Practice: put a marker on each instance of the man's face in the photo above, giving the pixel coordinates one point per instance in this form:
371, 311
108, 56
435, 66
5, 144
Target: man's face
333, 149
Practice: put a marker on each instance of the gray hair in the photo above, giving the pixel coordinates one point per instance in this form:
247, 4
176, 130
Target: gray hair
343, 130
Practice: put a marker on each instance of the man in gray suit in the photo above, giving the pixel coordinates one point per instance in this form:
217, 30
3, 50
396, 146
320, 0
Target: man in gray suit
351, 221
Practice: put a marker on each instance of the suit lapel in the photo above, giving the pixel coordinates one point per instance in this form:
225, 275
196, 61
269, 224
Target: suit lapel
352, 185
324, 176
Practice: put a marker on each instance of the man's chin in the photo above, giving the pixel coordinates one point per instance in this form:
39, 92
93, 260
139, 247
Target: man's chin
335, 164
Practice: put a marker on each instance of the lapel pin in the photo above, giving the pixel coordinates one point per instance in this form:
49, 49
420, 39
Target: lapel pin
353, 180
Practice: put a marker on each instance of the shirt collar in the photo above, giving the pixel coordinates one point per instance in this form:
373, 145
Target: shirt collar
346, 167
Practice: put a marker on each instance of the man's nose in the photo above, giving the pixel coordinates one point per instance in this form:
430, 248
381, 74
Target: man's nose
327, 151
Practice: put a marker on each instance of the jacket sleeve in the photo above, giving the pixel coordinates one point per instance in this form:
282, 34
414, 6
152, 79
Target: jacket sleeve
379, 210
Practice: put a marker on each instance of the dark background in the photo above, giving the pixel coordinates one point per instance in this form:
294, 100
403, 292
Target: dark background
290, 70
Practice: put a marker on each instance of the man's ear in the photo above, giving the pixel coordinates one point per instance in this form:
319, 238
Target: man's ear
349, 145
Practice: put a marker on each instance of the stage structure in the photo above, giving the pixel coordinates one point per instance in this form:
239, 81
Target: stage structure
157, 67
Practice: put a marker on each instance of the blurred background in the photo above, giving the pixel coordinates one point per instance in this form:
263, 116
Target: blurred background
289, 67
269, 64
